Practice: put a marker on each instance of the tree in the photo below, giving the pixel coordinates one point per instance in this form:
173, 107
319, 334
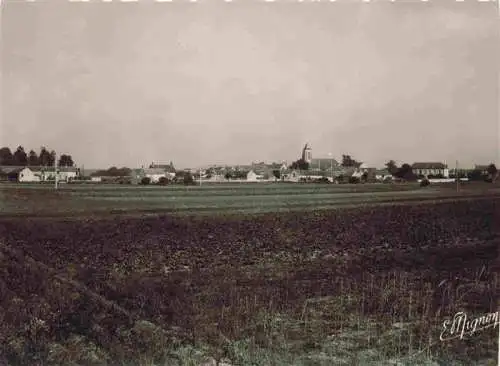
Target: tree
425, 182
52, 158
405, 172
44, 157
228, 175
65, 160
20, 157
492, 170
188, 178
303, 165
475, 175
163, 181
300, 164
33, 159
349, 162
391, 166
6, 157
277, 174
113, 172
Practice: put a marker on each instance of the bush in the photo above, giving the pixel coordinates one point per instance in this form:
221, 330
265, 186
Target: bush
424, 183
354, 180
188, 179
322, 180
145, 180
475, 175
163, 181
341, 179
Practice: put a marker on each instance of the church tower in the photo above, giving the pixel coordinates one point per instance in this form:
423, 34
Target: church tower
307, 154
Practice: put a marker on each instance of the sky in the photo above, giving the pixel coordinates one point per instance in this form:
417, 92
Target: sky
127, 84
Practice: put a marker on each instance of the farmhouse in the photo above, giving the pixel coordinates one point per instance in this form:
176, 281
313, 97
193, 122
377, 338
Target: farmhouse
432, 168
67, 173
38, 173
252, 176
290, 176
311, 174
28, 175
155, 174
168, 169
12, 172
383, 175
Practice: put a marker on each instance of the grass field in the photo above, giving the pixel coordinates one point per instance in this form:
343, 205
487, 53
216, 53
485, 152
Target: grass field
210, 199
344, 275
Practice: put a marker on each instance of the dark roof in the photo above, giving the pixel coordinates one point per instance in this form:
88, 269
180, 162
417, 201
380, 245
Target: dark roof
154, 171
481, 167
10, 168
51, 169
166, 167
327, 161
428, 165
16, 170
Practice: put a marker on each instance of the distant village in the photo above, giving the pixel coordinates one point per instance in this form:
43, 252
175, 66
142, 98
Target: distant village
31, 167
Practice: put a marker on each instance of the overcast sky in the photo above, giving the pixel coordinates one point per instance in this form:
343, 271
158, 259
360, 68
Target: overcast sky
212, 82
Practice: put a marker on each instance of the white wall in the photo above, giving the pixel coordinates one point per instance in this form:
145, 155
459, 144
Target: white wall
251, 176
155, 177
26, 175
445, 180
66, 175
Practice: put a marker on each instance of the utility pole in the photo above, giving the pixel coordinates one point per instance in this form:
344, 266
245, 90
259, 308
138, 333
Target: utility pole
200, 177
457, 177
55, 170
331, 167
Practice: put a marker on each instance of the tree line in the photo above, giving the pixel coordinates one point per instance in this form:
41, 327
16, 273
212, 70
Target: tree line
45, 158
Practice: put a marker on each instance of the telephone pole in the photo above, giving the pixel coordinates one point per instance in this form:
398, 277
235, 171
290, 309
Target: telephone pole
331, 166
55, 170
457, 176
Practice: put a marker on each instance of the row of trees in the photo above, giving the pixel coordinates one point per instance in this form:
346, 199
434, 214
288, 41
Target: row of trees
44, 158
113, 172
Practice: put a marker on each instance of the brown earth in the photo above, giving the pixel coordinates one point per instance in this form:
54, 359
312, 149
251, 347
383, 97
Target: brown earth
203, 280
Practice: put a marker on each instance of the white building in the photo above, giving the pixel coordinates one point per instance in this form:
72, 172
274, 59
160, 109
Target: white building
28, 175
155, 174
432, 168
383, 175
291, 176
254, 177
67, 174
